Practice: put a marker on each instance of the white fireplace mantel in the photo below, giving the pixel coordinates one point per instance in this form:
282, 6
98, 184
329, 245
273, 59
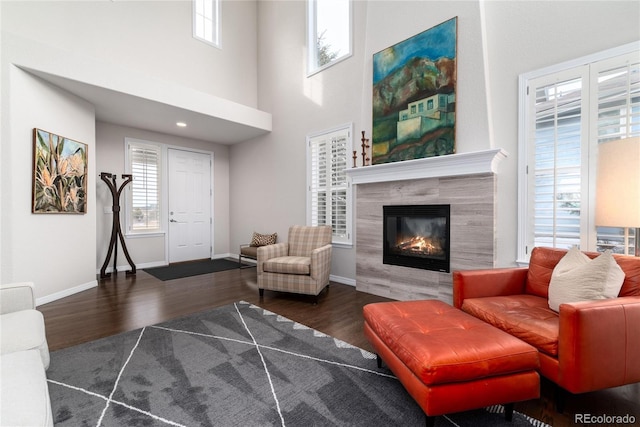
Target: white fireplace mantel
476, 162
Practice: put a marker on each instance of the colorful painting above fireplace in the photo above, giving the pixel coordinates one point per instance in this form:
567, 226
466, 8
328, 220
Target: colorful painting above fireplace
414, 96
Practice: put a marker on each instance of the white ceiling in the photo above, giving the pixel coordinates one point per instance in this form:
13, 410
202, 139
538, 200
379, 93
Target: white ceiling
144, 113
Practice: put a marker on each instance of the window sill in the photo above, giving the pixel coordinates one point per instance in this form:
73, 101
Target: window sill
142, 235
317, 70
342, 245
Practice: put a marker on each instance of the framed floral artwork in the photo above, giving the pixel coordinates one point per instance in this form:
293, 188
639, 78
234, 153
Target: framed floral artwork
59, 174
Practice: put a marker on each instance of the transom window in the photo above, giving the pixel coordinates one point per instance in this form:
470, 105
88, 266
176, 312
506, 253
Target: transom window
329, 33
206, 21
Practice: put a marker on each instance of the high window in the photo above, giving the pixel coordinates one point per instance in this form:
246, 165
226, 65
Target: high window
566, 112
206, 21
329, 190
143, 201
329, 33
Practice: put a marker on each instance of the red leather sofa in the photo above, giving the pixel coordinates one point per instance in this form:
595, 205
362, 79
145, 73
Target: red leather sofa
586, 346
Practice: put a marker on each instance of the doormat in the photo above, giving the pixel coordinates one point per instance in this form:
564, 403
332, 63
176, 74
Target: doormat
193, 268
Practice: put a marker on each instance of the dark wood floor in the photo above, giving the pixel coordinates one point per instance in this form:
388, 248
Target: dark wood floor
123, 303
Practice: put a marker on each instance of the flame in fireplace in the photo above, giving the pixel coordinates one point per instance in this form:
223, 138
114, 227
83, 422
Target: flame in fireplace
420, 245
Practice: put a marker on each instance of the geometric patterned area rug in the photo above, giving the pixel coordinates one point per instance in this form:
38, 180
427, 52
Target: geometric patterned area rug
237, 365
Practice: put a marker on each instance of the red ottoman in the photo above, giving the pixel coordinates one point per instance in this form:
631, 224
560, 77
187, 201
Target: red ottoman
448, 360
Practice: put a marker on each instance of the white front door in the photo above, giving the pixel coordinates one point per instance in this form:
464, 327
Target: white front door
190, 196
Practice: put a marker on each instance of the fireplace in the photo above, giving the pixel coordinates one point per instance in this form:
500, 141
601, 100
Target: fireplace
417, 236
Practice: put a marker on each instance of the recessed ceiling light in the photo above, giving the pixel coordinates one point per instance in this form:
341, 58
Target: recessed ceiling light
181, 124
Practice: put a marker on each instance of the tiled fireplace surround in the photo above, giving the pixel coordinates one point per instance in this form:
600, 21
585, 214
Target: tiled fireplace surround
466, 181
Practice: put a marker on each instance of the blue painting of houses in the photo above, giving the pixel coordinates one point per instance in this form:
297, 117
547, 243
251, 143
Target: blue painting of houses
414, 96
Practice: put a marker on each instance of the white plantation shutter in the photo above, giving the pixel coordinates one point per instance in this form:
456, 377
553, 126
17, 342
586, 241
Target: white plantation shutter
319, 183
329, 200
144, 192
339, 185
616, 91
558, 143
567, 111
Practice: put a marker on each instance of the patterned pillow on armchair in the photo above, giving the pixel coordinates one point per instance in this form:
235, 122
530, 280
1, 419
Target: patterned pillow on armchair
263, 239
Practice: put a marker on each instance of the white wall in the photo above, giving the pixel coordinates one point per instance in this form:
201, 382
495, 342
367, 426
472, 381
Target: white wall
497, 40
71, 39
269, 174
150, 251
523, 36
264, 65
3, 109
55, 251
148, 37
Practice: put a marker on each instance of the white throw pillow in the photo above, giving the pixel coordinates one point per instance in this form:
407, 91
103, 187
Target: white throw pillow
577, 277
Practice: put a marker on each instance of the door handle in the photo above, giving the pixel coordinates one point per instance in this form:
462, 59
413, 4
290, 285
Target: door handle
172, 220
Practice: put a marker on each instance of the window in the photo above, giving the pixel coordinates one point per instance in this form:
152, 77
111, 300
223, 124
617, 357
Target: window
206, 21
566, 111
329, 191
143, 201
329, 33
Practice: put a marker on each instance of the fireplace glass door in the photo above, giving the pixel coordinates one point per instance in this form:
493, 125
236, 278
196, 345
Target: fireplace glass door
417, 236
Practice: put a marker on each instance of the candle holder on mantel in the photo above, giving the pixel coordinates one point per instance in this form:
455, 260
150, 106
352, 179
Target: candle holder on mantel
365, 146
355, 157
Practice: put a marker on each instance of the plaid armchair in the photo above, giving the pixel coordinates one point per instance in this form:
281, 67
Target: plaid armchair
301, 265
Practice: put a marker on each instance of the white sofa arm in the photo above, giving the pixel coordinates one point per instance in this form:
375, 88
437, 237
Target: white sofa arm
16, 297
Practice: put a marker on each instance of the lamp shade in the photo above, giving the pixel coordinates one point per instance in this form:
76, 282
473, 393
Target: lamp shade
618, 183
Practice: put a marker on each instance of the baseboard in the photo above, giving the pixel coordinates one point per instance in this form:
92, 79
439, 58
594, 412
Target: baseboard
227, 255
343, 280
127, 267
145, 265
67, 292
244, 259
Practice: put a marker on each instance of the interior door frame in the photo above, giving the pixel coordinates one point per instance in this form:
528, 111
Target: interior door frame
165, 195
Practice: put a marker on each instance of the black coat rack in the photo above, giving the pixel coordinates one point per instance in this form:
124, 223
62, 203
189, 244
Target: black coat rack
116, 231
